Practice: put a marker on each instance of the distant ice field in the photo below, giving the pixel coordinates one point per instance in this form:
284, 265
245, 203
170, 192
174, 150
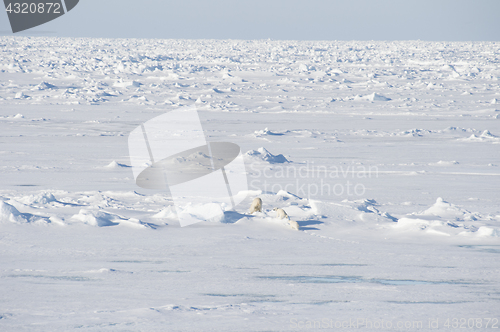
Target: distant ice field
387, 154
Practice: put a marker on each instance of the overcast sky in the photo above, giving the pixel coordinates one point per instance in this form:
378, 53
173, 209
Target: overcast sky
434, 20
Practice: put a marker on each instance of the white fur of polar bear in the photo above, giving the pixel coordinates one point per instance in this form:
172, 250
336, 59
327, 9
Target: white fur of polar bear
256, 205
294, 224
280, 213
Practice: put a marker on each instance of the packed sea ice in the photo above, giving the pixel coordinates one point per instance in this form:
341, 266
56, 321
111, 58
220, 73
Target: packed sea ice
385, 153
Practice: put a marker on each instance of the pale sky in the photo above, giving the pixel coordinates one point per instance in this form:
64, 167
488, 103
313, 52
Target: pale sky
433, 20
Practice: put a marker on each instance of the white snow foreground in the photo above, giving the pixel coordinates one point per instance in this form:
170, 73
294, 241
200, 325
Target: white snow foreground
156, 274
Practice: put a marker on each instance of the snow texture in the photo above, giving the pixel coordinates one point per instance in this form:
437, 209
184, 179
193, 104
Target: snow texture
385, 153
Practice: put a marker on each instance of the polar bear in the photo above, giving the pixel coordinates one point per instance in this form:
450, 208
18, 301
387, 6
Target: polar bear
294, 224
256, 205
280, 213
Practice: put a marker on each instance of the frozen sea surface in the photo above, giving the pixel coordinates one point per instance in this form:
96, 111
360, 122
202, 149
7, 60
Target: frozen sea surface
385, 153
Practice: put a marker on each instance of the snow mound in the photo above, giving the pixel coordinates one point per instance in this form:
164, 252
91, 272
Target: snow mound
351, 211
372, 97
263, 155
436, 227
21, 95
134, 223
104, 219
271, 198
371, 212
95, 218
446, 219
41, 198
10, 213
230, 78
445, 210
287, 194
415, 132
114, 164
103, 270
265, 132
57, 220
45, 86
485, 136
167, 213
194, 213
127, 84
366, 205
304, 67
222, 91
488, 231
444, 163
322, 208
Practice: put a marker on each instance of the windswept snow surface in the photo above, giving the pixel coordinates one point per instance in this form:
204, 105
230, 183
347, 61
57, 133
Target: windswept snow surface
385, 153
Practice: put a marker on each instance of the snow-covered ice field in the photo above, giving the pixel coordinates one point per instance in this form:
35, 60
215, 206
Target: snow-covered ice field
390, 163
